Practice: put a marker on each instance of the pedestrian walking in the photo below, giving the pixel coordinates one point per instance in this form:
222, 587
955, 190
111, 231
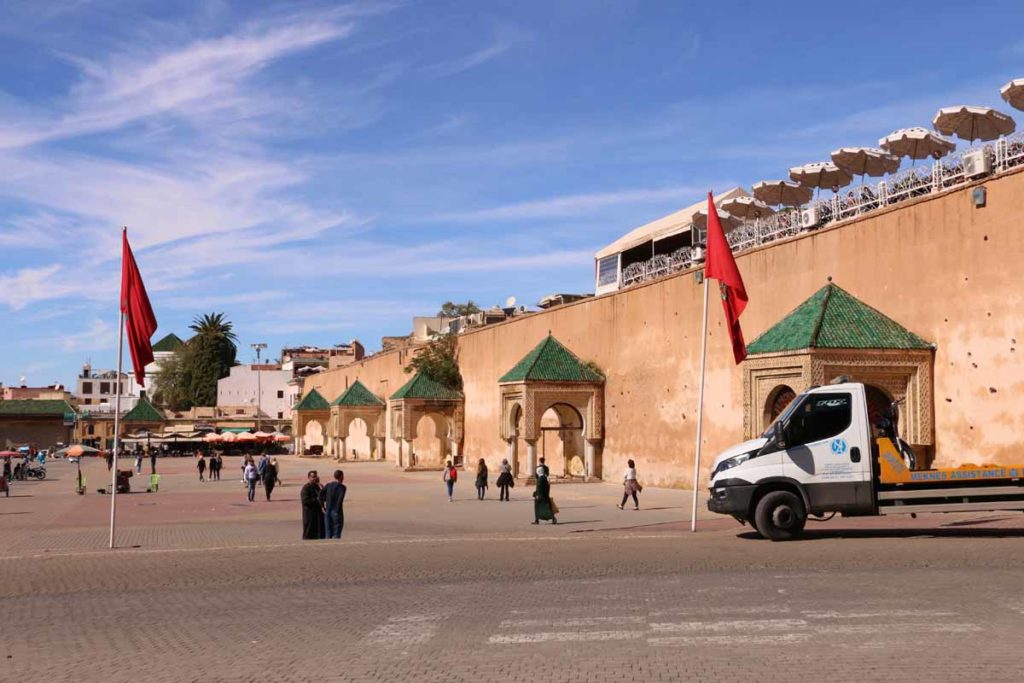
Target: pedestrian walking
332, 497
201, 466
481, 479
138, 462
270, 478
505, 480
152, 460
312, 512
251, 477
110, 460
216, 465
277, 470
262, 465
543, 504
451, 475
542, 467
630, 486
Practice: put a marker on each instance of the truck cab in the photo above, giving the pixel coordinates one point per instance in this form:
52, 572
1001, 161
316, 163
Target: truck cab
815, 458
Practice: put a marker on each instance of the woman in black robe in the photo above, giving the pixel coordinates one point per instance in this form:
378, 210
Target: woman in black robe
543, 505
312, 513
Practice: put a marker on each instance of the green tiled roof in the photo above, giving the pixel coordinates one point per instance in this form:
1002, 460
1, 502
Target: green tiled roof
421, 386
551, 362
171, 342
835, 319
143, 412
36, 408
357, 395
312, 401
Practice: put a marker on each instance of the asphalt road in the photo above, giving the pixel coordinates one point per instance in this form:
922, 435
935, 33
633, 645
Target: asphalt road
649, 603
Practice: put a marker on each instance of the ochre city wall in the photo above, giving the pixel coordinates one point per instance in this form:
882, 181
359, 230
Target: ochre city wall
944, 269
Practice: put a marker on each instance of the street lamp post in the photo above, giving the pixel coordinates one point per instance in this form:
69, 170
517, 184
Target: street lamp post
258, 346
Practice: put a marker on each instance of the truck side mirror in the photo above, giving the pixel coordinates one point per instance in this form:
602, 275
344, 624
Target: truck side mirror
779, 437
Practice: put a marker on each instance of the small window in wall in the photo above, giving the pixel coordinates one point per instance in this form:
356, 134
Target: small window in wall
280, 394
90, 430
608, 270
104, 387
280, 415
86, 387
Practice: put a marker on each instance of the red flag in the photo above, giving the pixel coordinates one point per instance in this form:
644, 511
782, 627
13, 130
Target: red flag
720, 265
139, 320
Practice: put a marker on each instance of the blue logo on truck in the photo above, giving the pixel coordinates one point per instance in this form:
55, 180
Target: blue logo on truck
838, 446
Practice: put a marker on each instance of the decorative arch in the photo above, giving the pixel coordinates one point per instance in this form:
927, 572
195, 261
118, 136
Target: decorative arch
778, 400
551, 375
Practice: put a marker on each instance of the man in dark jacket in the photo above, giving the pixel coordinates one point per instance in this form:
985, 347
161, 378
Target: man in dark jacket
312, 513
333, 497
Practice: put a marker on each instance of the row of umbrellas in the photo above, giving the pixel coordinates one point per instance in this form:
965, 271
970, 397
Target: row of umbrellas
247, 437
966, 122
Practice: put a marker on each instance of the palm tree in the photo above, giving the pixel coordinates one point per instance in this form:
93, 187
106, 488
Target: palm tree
211, 354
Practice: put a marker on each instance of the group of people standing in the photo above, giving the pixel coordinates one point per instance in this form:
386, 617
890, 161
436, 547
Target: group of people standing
323, 513
544, 507
216, 464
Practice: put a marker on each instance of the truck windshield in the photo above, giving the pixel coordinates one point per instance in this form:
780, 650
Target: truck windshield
767, 434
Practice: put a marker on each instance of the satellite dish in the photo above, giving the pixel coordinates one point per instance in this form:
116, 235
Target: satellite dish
510, 302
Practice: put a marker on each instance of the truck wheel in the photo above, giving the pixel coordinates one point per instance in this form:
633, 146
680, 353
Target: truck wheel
780, 516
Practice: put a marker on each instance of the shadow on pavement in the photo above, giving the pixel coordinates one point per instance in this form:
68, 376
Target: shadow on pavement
816, 535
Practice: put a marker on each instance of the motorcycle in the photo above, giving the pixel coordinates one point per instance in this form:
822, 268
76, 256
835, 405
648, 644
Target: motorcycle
888, 425
25, 471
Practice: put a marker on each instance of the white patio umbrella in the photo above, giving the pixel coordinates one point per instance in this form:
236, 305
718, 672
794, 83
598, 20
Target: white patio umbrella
728, 221
1013, 93
821, 174
916, 143
747, 207
973, 123
865, 161
782, 193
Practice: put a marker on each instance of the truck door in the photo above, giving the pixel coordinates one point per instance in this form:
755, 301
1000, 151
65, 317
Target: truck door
827, 453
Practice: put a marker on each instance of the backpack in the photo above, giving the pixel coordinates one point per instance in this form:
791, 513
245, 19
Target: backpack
453, 474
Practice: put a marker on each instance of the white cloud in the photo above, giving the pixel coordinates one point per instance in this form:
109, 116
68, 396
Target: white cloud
99, 335
573, 205
504, 39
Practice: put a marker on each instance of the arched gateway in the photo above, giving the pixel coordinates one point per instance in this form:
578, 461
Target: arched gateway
832, 334
357, 403
551, 381
423, 397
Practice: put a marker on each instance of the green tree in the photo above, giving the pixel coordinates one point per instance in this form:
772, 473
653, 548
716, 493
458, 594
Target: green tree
209, 356
172, 384
439, 360
450, 309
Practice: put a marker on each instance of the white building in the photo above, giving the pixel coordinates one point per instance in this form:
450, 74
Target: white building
240, 389
97, 391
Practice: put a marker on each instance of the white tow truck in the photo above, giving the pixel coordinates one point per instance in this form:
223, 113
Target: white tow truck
821, 457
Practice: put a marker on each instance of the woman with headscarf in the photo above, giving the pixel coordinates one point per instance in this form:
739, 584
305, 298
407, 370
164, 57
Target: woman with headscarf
543, 505
270, 477
505, 480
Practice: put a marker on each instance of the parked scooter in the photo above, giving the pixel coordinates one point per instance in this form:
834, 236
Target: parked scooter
26, 470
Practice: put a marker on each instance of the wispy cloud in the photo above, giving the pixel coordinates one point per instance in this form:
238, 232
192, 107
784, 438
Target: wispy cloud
505, 38
572, 205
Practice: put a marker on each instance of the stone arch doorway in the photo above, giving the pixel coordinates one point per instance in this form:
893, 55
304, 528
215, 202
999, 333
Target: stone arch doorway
313, 437
562, 444
358, 441
430, 441
778, 400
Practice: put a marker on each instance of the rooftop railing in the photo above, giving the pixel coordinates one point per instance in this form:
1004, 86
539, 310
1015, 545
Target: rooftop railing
920, 179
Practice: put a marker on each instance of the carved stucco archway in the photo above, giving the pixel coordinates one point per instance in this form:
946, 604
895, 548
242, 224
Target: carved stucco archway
526, 403
342, 418
447, 415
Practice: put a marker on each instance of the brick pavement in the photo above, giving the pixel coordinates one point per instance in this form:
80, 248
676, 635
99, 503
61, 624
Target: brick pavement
420, 591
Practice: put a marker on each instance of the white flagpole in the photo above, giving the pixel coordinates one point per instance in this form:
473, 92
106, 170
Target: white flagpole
700, 406
117, 423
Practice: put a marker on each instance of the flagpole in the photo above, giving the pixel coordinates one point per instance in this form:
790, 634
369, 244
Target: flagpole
117, 426
700, 405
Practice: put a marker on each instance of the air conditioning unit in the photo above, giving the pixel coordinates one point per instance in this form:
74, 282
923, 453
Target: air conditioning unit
809, 217
977, 163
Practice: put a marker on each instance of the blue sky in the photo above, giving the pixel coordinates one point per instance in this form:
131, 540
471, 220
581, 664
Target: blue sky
324, 171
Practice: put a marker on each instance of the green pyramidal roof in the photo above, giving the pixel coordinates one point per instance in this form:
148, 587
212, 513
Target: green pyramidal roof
421, 386
312, 401
835, 319
357, 395
171, 342
551, 362
143, 412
